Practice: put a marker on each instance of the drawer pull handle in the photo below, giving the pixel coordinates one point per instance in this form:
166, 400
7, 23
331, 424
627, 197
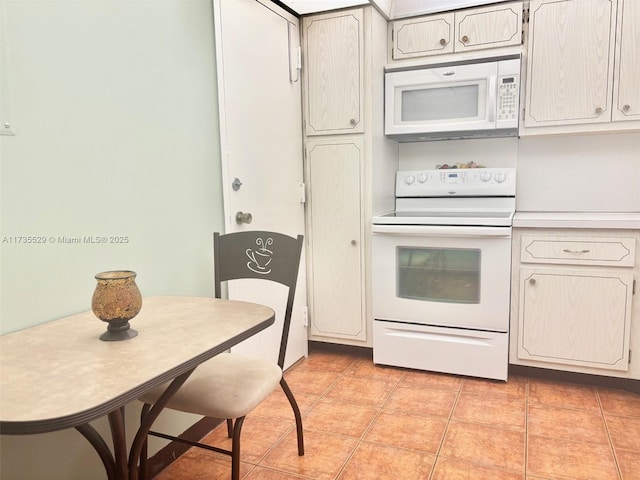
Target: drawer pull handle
566, 250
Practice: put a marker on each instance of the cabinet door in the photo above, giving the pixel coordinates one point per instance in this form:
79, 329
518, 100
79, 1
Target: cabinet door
334, 71
570, 62
335, 238
626, 93
575, 317
488, 27
420, 37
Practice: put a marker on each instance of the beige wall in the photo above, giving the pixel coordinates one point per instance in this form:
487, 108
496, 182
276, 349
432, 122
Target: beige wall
114, 106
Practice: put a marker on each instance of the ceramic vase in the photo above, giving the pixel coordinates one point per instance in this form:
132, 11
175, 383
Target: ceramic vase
116, 300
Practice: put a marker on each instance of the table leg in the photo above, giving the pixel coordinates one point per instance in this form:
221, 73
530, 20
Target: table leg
101, 447
147, 422
119, 436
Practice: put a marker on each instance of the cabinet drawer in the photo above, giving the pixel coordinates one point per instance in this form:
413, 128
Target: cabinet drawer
609, 251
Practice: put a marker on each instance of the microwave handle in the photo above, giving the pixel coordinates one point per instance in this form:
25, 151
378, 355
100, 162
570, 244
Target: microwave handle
493, 99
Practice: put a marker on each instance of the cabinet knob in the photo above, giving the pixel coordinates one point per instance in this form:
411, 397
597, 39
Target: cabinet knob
465, 39
626, 108
353, 242
598, 110
443, 41
532, 281
353, 122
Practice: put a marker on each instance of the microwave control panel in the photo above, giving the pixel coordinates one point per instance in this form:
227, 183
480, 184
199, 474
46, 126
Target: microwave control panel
507, 108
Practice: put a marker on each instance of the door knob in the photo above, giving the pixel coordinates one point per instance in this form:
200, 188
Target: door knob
243, 218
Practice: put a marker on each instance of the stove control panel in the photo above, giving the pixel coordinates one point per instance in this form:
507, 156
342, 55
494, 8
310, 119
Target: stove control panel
468, 182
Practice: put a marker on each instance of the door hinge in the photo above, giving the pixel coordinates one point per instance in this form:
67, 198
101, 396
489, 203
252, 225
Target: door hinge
305, 316
303, 193
629, 356
633, 288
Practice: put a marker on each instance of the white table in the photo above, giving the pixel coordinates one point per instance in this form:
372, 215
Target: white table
61, 375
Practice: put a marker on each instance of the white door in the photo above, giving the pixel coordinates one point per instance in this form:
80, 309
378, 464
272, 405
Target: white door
261, 141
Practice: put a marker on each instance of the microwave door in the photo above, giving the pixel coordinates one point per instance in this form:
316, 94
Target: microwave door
445, 99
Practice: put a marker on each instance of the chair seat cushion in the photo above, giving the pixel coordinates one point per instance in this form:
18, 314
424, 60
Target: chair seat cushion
229, 385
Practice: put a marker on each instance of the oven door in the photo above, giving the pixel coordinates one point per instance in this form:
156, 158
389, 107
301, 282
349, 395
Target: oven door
452, 276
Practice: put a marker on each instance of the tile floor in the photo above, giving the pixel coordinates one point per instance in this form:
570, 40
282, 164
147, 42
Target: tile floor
369, 422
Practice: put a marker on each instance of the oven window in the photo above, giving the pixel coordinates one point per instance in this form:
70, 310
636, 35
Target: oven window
440, 103
450, 275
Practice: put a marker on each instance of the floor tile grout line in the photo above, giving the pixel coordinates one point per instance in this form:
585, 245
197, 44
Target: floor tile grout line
526, 429
438, 453
606, 427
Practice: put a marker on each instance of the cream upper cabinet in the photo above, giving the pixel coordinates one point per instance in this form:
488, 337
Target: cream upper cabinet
488, 27
462, 31
626, 90
418, 37
570, 62
333, 72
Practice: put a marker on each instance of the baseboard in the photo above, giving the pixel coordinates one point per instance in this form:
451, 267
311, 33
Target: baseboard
170, 452
629, 384
315, 346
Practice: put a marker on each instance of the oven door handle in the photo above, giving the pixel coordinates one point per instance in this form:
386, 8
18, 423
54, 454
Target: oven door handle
442, 231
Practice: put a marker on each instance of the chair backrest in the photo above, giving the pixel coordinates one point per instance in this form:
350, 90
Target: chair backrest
262, 255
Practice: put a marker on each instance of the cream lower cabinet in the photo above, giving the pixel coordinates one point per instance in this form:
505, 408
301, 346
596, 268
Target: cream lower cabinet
574, 317
573, 302
335, 238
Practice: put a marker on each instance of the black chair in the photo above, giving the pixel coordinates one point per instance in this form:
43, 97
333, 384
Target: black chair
231, 385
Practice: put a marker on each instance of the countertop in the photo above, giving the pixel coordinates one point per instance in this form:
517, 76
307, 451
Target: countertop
597, 220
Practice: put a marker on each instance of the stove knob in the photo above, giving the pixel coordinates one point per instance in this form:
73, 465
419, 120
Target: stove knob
500, 177
409, 179
485, 176
422, 177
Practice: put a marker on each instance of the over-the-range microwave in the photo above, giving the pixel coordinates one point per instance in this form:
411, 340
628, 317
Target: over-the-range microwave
455, 101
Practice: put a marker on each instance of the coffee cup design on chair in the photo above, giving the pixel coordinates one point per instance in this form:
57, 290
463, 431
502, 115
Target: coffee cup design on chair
260, 258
